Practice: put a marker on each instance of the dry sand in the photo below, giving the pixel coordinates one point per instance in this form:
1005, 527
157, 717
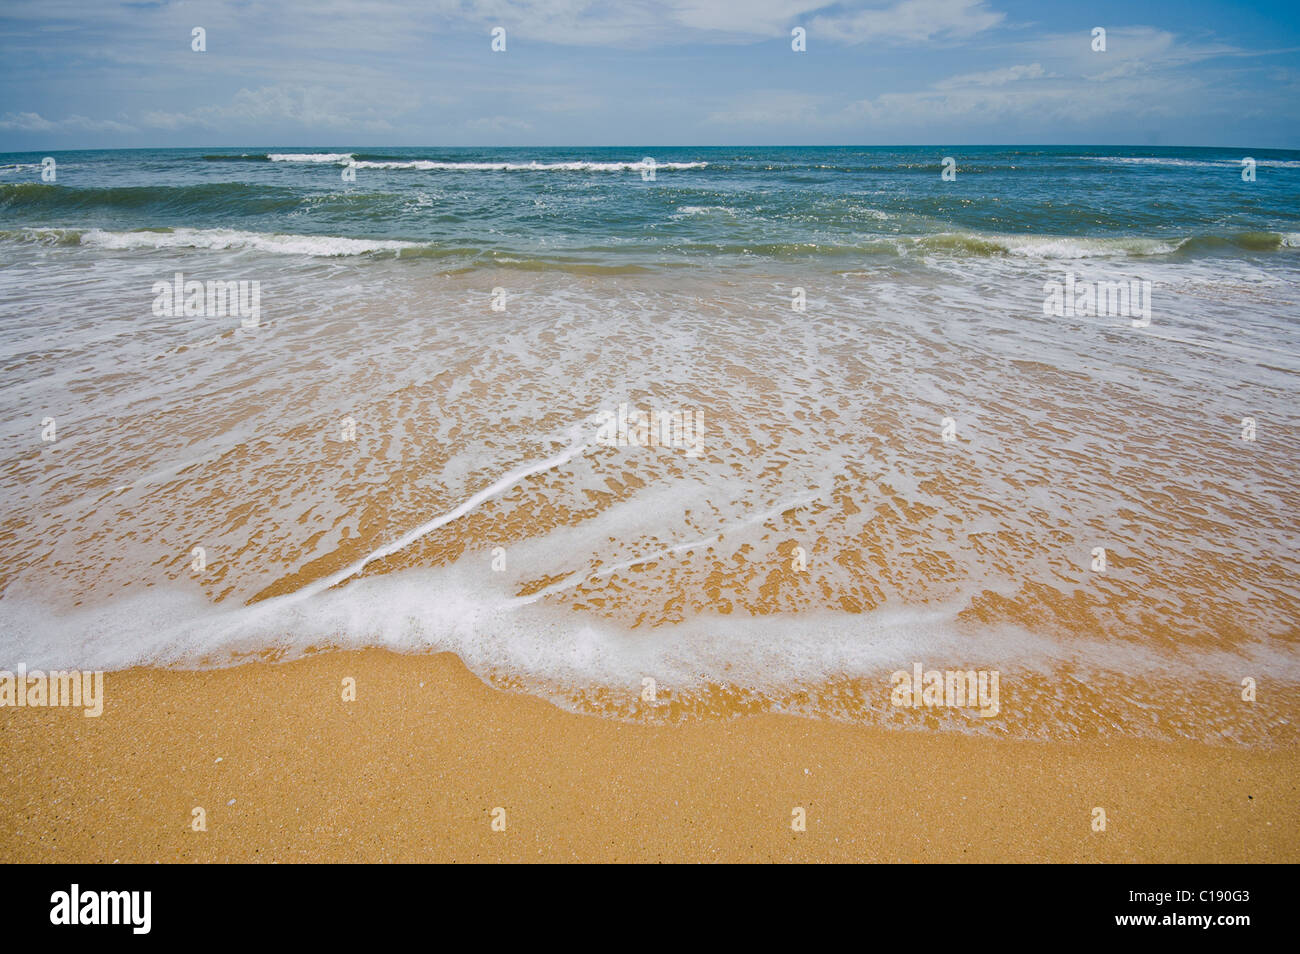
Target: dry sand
412, 770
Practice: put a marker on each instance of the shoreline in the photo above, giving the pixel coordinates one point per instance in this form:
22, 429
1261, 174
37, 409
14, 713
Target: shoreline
413, 769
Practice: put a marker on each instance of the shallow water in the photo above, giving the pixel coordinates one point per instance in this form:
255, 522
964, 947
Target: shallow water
822, 429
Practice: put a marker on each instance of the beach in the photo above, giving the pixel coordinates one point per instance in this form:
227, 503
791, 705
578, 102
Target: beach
661, 513
413, 769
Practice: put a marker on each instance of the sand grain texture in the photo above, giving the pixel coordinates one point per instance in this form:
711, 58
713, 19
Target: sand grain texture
412, 773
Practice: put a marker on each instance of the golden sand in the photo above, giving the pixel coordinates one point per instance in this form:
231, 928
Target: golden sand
286, 770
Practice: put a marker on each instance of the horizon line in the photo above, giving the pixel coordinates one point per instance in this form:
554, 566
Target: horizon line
913, 145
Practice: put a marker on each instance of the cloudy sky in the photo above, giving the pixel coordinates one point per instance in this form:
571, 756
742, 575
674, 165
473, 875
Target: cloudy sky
86, 74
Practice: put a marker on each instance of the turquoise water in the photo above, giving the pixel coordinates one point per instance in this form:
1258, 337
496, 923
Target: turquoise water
600, 207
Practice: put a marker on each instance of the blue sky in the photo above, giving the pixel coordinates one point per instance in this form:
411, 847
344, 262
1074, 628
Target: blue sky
79, 74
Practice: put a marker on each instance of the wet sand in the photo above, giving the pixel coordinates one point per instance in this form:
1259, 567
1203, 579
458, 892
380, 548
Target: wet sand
286, 770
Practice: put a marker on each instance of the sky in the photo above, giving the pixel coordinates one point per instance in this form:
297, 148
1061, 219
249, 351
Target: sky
354, 73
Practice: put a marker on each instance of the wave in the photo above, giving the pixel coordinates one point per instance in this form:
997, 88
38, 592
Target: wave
430, 165
314, 246
206, 198
618, 259
967, 165
686, 211
40, 236
1194, 163
1247, 241
1072, 246
215, 239
309, 156
242, 157
1065, 246
1062, 246
505, 629
344, 158
984, 245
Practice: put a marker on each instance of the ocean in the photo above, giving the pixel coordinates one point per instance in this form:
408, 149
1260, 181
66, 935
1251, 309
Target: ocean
669, 432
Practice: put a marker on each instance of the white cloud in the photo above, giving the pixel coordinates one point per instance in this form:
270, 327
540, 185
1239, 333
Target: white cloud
1008, 74
383, 26
26, 121
35, 122
390, 70
770, 108
913, 21
497, 124
1140, 75
296, 105
1143, 78
752, 17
